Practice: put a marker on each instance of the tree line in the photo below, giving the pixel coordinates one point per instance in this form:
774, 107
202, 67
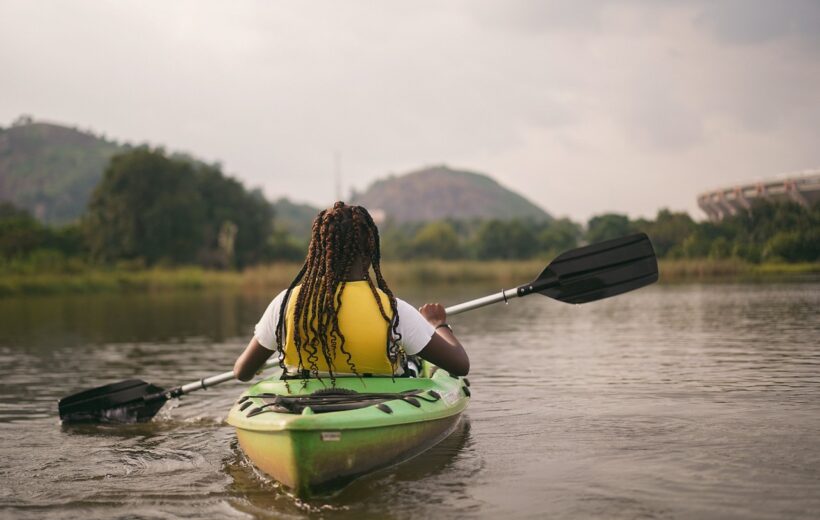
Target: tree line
151, 208
771, 232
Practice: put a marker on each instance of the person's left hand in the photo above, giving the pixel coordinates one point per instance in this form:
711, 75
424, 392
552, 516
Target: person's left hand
434, 313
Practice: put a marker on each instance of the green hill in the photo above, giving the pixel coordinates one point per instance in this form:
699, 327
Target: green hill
440, 192
49, 169
294, 217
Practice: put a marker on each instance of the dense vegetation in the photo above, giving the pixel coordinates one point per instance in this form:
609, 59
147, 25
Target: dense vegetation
479, 239
149, 209
154, 208
26, 245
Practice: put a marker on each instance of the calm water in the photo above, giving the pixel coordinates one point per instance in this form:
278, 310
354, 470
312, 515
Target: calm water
670, 402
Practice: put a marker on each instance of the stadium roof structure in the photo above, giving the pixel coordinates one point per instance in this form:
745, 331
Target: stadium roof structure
802, 188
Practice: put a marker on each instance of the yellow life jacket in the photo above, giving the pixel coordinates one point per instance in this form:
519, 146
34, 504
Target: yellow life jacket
364, 329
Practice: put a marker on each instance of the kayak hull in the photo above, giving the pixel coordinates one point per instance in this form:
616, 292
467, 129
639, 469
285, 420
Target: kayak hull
315, 453
307, 465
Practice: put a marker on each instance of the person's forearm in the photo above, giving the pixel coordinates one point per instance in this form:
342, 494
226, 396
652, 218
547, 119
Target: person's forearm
447, 353
448, 336
251, 360
443, 349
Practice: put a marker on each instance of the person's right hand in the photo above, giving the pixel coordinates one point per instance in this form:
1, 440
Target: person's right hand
443, 350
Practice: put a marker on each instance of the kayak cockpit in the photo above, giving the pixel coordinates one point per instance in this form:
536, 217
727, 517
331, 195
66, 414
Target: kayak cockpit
334, 400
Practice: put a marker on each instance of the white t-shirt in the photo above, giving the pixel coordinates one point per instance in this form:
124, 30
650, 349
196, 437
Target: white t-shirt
415, 330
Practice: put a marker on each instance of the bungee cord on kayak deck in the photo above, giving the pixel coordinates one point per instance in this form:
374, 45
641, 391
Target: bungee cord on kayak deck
340, 236
334, 400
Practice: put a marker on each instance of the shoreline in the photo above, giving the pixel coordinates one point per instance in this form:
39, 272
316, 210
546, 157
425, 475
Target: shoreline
505, 272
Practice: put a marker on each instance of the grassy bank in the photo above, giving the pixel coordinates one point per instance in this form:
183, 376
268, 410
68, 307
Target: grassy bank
414, 272
732, 270
504, 273
109, 281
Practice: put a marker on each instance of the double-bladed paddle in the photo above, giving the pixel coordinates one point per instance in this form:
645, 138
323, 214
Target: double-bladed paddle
581, 275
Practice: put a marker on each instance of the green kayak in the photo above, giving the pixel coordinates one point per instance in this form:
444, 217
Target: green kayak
314, 438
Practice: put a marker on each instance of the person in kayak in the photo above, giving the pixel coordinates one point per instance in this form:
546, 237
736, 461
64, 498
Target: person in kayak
334, 319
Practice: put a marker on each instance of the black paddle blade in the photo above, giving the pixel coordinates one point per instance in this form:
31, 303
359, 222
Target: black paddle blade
598, 271
128, 401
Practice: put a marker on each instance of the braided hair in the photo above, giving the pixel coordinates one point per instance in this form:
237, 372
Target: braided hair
340, 235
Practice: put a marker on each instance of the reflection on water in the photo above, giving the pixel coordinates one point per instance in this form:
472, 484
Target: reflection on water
88, 320
262, 497
693, 401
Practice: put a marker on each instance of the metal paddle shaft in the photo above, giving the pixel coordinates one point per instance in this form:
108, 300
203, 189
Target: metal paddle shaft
132, 400
586, 274
582, 275
203, 384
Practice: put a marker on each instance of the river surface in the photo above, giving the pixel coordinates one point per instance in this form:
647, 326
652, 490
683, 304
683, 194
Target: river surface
681, 401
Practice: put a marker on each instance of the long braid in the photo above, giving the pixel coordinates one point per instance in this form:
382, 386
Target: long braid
393, 335
324, 298
343, 240
339, 236
280, 349
352, 240
309, 272
302, 316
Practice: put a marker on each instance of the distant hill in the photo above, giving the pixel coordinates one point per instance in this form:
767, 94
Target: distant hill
51, 170
440, 192
294, 217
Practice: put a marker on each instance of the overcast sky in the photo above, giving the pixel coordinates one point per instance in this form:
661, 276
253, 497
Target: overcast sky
583, 107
